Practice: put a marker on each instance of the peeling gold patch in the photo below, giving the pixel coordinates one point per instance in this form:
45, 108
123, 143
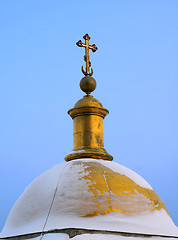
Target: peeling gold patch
114, 192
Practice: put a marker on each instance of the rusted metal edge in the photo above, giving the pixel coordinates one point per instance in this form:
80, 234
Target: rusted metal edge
72, 232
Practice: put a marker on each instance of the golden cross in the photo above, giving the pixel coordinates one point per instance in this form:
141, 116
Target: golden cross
86, 57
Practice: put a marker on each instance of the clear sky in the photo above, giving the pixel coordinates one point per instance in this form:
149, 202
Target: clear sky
136, 69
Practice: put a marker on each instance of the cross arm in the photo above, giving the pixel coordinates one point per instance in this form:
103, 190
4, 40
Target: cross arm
80, 44
93, 47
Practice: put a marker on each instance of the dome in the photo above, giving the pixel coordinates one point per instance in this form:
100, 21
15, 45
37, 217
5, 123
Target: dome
88, 101
89, 197
89, 194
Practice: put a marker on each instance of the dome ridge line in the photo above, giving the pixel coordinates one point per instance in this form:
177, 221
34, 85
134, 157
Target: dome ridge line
55, 191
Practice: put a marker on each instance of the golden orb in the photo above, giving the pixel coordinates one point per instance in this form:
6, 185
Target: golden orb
87, 84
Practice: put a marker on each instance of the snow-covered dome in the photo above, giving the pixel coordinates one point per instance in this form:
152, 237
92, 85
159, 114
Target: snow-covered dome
89, 194
89, 197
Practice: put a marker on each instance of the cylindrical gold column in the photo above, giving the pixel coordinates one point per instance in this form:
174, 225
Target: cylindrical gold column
88, 114
88, 132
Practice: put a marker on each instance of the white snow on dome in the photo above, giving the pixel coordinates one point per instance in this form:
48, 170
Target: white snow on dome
55, 201
52, 236
114, 237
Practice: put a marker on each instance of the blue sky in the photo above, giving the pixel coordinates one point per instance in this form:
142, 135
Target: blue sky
137, 80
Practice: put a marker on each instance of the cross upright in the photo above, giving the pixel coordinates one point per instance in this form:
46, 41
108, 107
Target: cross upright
86, 57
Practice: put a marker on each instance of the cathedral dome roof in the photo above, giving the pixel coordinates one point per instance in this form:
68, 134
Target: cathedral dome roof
89, 194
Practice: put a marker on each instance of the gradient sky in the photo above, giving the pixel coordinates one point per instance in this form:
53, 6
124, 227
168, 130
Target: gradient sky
136, 69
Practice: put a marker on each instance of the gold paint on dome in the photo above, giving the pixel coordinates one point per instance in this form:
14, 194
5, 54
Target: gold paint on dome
101, 190
109, 191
